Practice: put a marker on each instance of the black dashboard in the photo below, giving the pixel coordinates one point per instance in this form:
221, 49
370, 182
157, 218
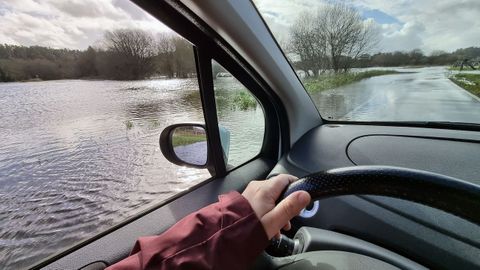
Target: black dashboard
429, 236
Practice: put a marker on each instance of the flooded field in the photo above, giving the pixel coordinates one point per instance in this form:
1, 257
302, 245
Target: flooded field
77, 157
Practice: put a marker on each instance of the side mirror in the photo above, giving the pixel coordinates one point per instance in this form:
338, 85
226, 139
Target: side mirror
186, 144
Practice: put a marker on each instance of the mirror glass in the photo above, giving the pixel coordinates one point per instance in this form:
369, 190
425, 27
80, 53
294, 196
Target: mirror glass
190, 144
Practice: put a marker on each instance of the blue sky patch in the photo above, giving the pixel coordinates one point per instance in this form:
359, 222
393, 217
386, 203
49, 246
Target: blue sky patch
380, 16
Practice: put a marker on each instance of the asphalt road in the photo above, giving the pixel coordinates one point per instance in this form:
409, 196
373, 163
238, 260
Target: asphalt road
426, 94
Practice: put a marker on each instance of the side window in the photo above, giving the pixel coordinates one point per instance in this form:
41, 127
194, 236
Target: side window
240, 117
81, 121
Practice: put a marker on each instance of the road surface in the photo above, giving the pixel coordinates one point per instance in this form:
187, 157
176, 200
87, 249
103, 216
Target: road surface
426, 94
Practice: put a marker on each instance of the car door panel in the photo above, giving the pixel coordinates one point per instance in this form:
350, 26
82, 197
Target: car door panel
116, 244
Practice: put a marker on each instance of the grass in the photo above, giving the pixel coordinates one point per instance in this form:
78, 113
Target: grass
178, 140
154, 123
469, 82
331, 81
244, 101
129, 124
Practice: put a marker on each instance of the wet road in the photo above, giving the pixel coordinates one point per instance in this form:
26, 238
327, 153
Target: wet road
425, 94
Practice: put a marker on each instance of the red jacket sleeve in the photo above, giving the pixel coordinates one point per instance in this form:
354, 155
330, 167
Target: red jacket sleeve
223, 235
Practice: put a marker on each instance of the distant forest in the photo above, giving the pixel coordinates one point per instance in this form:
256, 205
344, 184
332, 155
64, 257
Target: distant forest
135, 54
123, 55
417, 58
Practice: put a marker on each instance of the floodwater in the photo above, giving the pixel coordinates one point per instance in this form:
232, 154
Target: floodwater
424, 94
77, 157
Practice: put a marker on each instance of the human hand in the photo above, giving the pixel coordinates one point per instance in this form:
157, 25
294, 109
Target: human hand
262, 196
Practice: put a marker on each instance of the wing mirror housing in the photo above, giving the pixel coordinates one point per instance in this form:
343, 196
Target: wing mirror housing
186, 145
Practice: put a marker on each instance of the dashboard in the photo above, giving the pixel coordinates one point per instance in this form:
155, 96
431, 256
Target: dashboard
429, 236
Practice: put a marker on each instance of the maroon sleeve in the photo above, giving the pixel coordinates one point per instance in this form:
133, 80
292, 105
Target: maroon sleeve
223, 235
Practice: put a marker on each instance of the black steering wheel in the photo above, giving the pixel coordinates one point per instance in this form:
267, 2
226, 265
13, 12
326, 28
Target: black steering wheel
445, 193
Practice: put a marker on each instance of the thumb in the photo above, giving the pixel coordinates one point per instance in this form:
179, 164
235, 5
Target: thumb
287, 209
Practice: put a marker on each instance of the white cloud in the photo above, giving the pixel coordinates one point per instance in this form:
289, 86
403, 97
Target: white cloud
397, 37
72, 24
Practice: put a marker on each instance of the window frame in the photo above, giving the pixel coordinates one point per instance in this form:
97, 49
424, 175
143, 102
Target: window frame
210, 46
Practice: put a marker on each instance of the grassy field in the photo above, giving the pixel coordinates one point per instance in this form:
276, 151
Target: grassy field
469, 82
178, 140
331, 81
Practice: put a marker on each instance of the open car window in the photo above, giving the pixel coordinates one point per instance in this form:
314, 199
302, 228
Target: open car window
387, 61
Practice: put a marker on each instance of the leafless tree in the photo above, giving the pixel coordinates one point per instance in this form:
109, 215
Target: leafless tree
175, 56
184, 59
346, 34
333, 37
307, 44
166, 54
134, 50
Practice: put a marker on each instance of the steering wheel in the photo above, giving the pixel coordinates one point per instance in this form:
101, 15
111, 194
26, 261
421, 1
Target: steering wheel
445, 193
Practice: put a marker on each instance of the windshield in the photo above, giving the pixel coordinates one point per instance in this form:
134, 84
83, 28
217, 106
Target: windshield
383, 60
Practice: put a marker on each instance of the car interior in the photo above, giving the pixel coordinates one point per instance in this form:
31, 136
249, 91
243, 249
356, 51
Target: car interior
387, 195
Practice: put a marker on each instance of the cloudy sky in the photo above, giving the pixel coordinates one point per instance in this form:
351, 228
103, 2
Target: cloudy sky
404, 24
69, 23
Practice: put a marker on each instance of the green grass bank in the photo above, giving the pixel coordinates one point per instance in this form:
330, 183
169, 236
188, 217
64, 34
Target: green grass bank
331, 81
469, 82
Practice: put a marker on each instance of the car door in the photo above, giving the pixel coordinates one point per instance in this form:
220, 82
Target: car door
229, 174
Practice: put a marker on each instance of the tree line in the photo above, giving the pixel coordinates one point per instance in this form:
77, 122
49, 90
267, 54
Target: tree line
332, 38
417, 57
126, 54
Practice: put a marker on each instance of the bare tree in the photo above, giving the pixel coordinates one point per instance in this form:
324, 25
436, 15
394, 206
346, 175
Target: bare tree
346, 34
135, 50
307, 44
175, 56
335, 37
166, 54
184, 59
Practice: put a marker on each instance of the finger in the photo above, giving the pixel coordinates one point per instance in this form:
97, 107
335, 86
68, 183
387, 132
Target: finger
287, 226
277, 184
286, 210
